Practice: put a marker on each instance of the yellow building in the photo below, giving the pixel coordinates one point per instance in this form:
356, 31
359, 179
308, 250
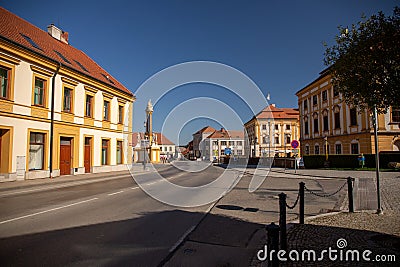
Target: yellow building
328, 122
60, 112
271, 131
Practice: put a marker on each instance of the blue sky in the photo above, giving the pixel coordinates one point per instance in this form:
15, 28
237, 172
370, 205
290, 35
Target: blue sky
277, 44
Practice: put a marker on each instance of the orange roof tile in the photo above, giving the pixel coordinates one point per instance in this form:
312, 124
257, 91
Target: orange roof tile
275, 113
207, 129
226, 134
16, 30
161, 139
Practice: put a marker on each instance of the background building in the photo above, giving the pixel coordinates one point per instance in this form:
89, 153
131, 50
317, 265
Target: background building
60, 112
329, 125
270, 132
216, 143
198, 137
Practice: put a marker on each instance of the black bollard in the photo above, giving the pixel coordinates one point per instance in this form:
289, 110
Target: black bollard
282, 220
350, 193
301, 202
273, 243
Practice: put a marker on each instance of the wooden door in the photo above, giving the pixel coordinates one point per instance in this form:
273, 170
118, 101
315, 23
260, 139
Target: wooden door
65, 156
87, 158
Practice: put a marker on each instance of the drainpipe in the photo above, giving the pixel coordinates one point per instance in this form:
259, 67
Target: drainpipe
53, 85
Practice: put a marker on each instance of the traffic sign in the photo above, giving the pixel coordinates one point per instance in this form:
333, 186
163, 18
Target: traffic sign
228, 151
294, 144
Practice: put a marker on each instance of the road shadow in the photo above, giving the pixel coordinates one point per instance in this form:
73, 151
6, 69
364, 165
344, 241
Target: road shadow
152, 240
143, 241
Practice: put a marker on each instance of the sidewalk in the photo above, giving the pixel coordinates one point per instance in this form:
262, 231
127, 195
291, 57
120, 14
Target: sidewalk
362, 230
69, 180
233, 231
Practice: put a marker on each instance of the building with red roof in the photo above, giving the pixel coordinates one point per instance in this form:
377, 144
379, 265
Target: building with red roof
222, 143
198, 138
271, 131
60, 112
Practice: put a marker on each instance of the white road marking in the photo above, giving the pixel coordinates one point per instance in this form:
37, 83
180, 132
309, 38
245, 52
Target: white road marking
55, 186
85, 201
119, 192
45, 211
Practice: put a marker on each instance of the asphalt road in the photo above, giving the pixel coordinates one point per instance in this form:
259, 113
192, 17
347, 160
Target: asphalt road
109, 223
113, 222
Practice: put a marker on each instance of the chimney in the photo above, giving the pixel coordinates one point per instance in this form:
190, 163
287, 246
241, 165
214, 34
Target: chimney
57, 33
273, 105
64, 37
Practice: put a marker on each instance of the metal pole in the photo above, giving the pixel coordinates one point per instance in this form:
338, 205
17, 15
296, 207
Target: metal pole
284, 148
255, 142
379, 210
269, 139
53, 85
350, 193
301, 202
273, 243
282, 220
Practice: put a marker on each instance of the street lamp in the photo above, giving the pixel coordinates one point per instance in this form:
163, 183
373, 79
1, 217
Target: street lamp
285, 142
269, 138
144, 145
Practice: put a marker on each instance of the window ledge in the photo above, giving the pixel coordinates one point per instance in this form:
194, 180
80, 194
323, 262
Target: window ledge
6, 99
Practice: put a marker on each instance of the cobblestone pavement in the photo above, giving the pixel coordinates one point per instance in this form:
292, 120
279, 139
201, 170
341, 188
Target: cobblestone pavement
362, 230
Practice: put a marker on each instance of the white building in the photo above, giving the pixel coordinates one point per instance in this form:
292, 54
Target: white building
60, 112
198, 140
216, 143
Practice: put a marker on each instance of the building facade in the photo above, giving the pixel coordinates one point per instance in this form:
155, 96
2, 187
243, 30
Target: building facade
198, 138
330, 126
271, 131
60, 112
216, 143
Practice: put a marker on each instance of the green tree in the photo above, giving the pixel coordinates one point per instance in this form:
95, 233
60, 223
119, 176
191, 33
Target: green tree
365, 62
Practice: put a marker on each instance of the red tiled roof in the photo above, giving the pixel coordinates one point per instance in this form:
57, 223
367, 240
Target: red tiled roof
12, 28
226, 134
207, 129
278, 113
161, 139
